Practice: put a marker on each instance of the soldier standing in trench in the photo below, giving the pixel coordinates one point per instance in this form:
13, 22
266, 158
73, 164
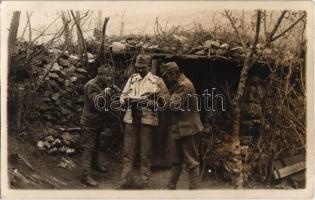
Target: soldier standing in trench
141, 89
185, 123
92, 120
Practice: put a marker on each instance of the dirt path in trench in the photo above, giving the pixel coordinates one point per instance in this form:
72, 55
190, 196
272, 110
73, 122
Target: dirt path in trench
159, 179
45, 167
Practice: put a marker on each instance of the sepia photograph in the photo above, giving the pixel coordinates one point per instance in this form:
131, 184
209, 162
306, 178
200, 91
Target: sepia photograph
122, 96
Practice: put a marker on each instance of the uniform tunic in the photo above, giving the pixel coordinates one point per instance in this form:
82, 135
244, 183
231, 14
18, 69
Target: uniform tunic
137, 86
91, 117
185, 122
91, 121
139, 136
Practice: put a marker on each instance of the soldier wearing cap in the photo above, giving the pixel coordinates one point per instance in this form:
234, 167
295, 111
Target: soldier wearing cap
185, 123
91, 122
139, 123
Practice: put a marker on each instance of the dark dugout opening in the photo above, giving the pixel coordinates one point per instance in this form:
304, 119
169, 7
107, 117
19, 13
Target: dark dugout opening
217, 77
218, 74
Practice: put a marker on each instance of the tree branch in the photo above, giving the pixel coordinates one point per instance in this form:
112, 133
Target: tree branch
86, 16
36, 55
22, 35
275, 28
42, 33
229, 16
289, 28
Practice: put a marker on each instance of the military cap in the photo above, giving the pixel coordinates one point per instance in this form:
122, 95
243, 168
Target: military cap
143, 60
165, 67
105, 69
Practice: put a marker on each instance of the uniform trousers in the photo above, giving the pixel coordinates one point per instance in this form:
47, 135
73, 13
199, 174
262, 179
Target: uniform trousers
137, 139
90, 143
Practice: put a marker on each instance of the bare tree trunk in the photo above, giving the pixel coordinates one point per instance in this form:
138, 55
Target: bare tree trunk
79, 36
67, 33
81, 41
121, 32
101, 58
19, 106
243, 22
99, 20
29, 34
122, 24
22, 35
26, 25
12, 34
11, 45
233, 145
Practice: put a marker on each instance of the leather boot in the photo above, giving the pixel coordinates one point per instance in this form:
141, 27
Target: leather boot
99, 168
193, 178
89, 181
145, 186
125, 184
94, 163
175, 173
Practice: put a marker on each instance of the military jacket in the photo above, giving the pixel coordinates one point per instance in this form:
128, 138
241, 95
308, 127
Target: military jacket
185, 119
91, 116
136, 87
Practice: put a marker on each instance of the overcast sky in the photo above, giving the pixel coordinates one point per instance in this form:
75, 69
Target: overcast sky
137, 20
139, 16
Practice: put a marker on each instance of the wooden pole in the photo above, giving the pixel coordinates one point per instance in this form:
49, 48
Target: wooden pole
12, 34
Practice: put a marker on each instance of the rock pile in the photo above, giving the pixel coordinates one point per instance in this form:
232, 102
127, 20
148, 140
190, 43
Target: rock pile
66, 163
64, 144
60, 98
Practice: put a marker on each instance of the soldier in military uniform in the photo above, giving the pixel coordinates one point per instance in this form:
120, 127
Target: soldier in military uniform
139, 122
185, 123
92, 120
